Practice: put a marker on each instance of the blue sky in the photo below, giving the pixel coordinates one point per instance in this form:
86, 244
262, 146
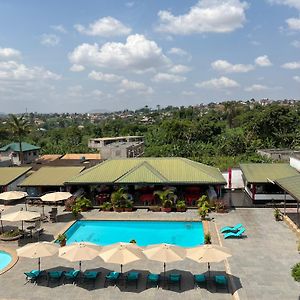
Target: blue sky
77, 56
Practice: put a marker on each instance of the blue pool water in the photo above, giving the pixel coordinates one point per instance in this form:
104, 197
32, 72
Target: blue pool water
5, 259
185, 234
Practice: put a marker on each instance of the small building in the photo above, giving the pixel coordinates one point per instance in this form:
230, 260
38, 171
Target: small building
260, 178
118, 147
10, 177
11, 152
278, 154
49, 179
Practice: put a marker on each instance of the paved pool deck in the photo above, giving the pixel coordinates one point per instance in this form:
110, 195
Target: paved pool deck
259, 268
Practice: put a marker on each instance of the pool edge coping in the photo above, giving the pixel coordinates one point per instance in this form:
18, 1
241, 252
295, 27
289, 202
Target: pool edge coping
14, 258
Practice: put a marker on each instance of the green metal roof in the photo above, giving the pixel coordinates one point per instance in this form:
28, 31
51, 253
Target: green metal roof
291, 185
51, 176
16, 147
150, 171
10, 174
263, 173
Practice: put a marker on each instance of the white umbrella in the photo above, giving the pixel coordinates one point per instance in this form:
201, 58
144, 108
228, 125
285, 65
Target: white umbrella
79, 252
121, 253
56, 196
165, 253
208, 253
38, 250
13, 195
21, 215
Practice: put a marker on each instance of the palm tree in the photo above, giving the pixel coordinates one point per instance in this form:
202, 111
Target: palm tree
19, 127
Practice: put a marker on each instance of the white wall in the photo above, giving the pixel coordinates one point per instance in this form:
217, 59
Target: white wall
236, 179
295, 163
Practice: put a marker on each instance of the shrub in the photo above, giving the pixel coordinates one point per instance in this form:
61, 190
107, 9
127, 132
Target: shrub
11, 233
207, 238
81, 204
181, 204
106, 206
296, 272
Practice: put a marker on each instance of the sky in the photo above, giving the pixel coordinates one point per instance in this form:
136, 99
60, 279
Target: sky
85, 55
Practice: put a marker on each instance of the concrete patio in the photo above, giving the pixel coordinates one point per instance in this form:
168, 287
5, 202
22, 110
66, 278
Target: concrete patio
259, 268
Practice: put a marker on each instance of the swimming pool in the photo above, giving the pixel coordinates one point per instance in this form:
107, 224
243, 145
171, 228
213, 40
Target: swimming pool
5, 259
185, 234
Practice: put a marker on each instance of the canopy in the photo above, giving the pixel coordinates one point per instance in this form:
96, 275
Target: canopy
21, 215
121, 253
13, 195
56, 196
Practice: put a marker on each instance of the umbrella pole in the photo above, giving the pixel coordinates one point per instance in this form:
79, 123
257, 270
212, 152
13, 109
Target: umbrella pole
164, 272
208, 266
39, 263
121, 268
2, 226
25, 204
22, 225
80, 265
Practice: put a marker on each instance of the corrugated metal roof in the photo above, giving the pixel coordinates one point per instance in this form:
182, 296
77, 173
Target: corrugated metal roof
81, 155
51, 176
150, 170
10, 174
263, 173
291, 185
16, 147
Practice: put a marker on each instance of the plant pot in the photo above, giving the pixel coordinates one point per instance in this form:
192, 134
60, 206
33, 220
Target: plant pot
181, 209
118, 209
106, 209
8, 239
63, 243
128, 209
166, 209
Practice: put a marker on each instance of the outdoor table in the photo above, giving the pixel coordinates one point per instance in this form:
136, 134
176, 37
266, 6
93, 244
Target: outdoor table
30, 228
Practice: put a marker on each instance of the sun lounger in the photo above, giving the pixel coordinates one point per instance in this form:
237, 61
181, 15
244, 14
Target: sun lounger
235, 234
174, 279
153, 279
33, 276
200, 280
231, 228
132, 277
90, 276
221, 281
55, 276
71, 276
112, 277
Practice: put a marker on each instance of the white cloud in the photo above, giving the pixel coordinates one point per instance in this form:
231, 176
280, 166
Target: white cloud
218, 83
256, 87
12, 70
77, 68
163, 77
140, 87
60, 28
107, 26
206, 16
226, 67
97, 93
50, 40
290, 3
179, 69
9, 53
188, 93
104, 77
293, 23
297, 78
263, 61
137, 54
178, 51
291, 65
296, 44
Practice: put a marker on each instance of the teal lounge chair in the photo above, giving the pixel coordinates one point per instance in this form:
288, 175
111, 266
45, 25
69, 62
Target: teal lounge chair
112, 277
200, 280
235, 234
231, 228
174, 279
132, 277
33, 276
90, 276
153, 280
221, 281
71, 276
55, 276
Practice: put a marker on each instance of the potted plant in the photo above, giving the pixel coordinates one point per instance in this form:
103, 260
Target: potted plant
84, 203
167, 205
207, 238
277, 214
296, 272
203, 211
220, 206
128, 206
154, 208
11, 235
181, 206
62, 239
119, 199
167, 198
106, 206
69, 203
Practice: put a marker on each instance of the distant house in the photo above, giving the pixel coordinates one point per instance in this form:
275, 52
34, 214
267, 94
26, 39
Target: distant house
11, 152
10, 177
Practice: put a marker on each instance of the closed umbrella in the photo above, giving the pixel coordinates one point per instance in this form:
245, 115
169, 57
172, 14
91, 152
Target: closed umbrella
78, 252
56, 196
165, 253
38, 250
20, 215
208, 253
121, 253
13, 195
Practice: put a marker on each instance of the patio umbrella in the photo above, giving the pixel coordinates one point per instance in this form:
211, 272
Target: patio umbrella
208, 253
121, 253
38, 250
165, 253
56, 196
13, 195
21, 215
79, 252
